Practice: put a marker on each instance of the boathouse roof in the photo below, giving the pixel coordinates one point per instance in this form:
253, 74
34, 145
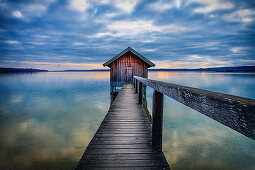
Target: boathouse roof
129, 49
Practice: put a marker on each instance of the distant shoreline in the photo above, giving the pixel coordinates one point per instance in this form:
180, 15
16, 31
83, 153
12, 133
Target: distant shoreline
246, 69
20, 70
216, 69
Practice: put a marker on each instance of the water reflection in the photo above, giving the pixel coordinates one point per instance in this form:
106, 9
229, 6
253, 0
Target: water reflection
47, 119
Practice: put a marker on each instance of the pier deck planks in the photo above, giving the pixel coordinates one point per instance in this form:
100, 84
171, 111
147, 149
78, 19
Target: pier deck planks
123, 140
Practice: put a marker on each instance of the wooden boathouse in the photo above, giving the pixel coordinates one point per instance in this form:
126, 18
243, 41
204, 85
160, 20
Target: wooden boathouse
126, 65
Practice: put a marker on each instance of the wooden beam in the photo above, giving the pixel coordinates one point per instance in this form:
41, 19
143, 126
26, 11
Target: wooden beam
136, 86
236, 112
140, 96
157, 120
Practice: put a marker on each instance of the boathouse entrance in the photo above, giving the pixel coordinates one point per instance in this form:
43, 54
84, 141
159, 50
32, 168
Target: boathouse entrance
129, 73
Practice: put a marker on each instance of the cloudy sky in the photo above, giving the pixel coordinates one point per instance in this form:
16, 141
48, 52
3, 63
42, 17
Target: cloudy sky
83, 34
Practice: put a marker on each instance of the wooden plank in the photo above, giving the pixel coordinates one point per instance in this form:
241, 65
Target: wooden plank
126, 131
124, 168
125, 123
124, 163
107, 127
127, 138
102, 141
121, 135
123, 140
120, 146
126, 156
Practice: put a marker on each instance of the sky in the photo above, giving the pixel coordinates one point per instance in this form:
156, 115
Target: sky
83, 34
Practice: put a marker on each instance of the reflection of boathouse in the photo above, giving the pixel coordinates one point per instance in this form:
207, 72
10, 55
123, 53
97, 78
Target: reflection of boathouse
125, 65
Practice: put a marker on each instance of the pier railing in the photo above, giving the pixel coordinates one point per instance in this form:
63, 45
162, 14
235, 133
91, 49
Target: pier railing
236, 112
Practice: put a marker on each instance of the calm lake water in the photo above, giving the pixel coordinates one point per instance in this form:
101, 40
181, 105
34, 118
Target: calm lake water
48, 119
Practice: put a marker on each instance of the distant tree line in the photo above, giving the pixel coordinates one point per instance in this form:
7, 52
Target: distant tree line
20, 70
216, 69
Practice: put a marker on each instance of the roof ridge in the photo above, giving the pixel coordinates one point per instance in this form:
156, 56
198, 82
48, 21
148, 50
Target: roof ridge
124, 52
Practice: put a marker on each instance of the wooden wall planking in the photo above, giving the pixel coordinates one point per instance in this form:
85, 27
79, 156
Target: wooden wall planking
127, 66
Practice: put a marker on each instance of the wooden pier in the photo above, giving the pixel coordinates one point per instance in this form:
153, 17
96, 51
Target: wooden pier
127, 140
123, 140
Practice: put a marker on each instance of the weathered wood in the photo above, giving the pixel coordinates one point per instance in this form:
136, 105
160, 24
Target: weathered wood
236, 112
125, 156
136, 86
123, 163
119, 146
140, 96
157, 120
123, 140
125, 67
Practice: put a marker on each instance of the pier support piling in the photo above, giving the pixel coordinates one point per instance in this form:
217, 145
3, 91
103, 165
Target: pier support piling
140, 96
136, 86
157, 120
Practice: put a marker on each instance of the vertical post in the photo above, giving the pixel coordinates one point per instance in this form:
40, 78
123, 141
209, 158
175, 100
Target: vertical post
140, 96
144, 90
136, 86
157, 120
134, 82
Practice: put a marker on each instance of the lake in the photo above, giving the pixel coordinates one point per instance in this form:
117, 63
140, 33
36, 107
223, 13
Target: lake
47, 119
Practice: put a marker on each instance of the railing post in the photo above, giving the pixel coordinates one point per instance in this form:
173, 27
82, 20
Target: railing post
136, 86
157, 120
140, 99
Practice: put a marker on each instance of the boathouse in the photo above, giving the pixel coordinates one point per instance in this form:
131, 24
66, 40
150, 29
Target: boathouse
127, 64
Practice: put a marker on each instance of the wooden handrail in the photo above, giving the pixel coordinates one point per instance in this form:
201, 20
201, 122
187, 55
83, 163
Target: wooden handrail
236, 112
